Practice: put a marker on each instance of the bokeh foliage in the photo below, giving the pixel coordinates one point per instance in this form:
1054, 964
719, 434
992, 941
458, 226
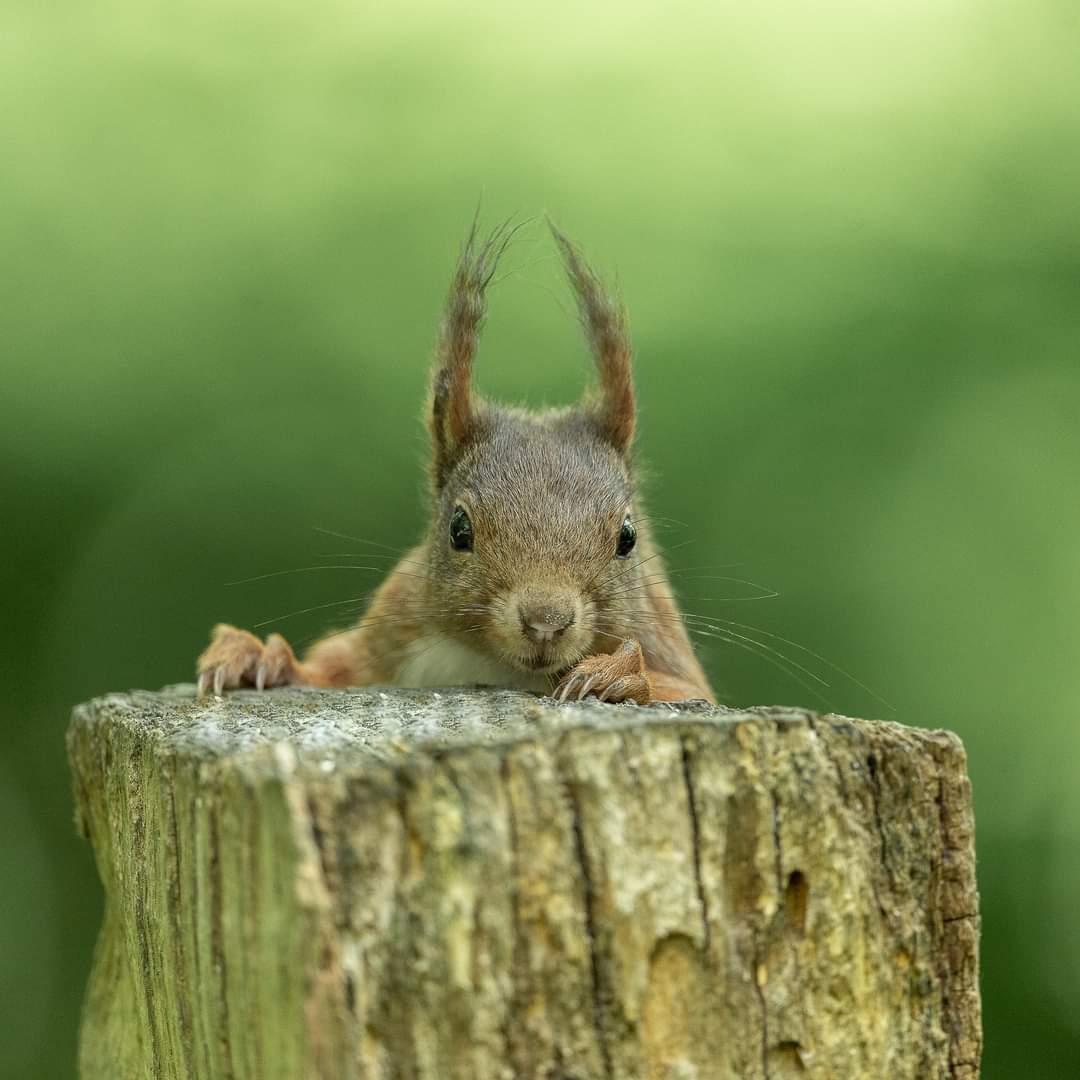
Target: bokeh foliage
849, 236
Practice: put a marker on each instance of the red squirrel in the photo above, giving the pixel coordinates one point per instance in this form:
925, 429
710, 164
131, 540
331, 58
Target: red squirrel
538, 571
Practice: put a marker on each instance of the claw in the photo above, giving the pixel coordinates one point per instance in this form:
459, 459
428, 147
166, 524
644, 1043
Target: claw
260, 677
621, 689
587, 686
203, 685
219, 681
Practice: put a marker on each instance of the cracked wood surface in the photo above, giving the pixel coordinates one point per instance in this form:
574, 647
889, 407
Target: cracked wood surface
464, 885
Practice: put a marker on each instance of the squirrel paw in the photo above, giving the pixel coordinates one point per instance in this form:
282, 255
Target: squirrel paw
237, 658
617, 676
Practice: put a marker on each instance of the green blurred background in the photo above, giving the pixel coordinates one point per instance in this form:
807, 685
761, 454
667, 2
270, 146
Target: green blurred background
849, 237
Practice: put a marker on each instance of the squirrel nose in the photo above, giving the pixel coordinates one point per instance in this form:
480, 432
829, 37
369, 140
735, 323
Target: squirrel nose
542, 625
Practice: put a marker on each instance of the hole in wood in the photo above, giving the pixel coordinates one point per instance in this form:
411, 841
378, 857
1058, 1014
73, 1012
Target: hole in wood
796, 896
789, 1053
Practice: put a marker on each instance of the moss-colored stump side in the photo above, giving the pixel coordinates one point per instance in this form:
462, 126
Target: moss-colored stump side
463, 885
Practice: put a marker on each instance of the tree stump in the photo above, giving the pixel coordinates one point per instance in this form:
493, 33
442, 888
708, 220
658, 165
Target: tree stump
478, 884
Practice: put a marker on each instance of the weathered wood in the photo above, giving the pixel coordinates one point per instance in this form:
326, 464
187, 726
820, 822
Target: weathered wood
478, 884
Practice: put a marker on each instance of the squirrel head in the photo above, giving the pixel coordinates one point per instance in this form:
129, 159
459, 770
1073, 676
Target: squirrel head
533, 541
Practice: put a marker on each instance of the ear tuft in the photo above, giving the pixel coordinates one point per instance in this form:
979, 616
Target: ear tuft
452, 412
606, 327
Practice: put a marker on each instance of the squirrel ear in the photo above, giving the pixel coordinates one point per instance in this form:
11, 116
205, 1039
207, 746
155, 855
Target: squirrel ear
604, 319
452, 413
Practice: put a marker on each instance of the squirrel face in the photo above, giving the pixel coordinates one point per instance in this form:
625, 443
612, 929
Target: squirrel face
533, 540
533, 543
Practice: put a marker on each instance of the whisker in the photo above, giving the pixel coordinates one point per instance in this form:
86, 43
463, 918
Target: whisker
775, 652
415, 612
696, 569
810, 652
395, 559
726, 577
301, 570
741, 643
763, 652
702, 623
308, 610
737, 581
658, 523
382, 621
642, 588
634, 565
643, 591
356, 539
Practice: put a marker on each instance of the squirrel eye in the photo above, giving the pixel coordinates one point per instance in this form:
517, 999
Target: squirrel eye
461, 537
627, 539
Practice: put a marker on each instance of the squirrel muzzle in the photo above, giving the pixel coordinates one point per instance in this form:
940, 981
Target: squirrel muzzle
541, 626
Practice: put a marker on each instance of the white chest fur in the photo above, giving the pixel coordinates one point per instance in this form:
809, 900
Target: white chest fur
442, 661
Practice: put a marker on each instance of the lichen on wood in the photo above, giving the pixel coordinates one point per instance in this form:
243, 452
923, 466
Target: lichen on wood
481, 885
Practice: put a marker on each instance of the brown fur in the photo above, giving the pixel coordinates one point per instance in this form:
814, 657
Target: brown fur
607, 329
452, 410
546, 495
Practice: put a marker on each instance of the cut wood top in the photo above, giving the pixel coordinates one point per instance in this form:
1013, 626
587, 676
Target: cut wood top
341, 728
